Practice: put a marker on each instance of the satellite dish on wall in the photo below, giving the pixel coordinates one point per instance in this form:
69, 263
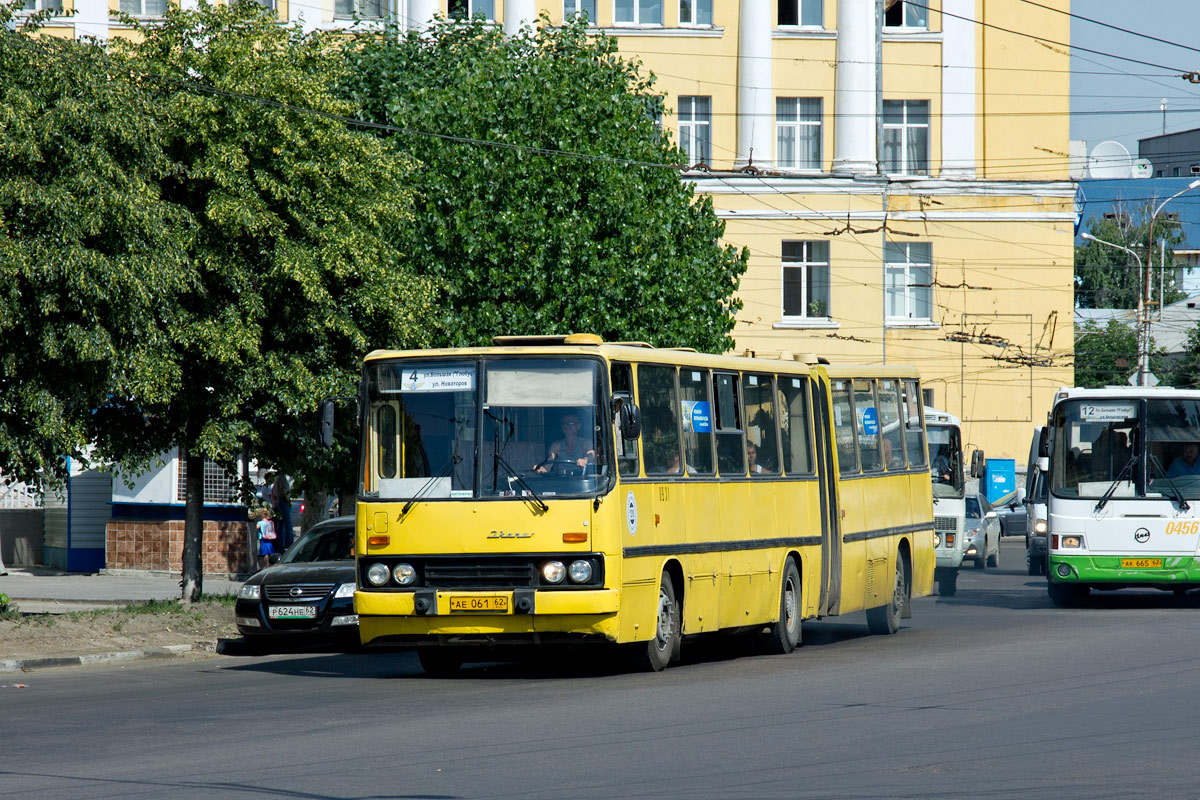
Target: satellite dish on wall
1142, 168
1110, 160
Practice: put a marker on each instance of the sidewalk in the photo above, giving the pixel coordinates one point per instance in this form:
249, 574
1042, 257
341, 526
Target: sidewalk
40, 590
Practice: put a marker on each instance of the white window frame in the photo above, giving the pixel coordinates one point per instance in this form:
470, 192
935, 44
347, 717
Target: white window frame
914, 17
128, 6
696, 9
489, 13
572, 8
694, 128
903, 131
42, 5
803, 8
805, 267
910, 279
359, 7
637, 20
797, 126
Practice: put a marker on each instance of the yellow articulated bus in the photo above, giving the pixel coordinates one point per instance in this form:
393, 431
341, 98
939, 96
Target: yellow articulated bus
562, 489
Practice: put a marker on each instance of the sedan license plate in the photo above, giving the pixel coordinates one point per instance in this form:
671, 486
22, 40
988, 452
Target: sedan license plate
488, 604
292, 612
1141, 563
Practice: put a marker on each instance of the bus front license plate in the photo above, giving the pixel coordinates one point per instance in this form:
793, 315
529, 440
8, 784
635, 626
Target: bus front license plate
1141, 563
479, 605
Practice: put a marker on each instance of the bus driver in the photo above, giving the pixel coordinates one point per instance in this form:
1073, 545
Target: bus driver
571, 448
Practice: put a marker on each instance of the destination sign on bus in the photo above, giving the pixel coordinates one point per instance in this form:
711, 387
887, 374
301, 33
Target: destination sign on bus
1107, 412
438, 379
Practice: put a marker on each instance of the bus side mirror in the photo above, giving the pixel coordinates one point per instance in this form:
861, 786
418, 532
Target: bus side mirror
629, 414
325, 432
978, 464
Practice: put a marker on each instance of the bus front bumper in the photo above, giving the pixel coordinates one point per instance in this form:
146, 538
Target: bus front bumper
514, 616
1165, 571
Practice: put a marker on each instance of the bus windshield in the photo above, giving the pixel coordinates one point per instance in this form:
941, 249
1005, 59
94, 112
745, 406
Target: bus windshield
1136, 448
945, 460
496, 427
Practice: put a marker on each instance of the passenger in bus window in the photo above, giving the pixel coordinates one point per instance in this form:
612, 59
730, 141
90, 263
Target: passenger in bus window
889, 455
572, 448
1186, 463
752, 458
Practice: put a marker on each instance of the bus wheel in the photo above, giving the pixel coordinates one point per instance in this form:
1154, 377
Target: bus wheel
886, 618
439, 661
948, 584
785, 634
656, 654
1031, 563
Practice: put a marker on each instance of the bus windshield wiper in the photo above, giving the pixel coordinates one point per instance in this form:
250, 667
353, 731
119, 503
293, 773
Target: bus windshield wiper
1108, 493
428, 485
1177, 493
537, 501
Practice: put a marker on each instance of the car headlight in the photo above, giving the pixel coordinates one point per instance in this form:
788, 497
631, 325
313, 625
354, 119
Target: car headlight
404, 574
553, 571
378, 574
1039, 526
345, 590
580, 571
251, 591
937, 540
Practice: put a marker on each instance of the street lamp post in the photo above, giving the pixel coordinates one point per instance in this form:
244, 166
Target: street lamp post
1143, 334
1144, 303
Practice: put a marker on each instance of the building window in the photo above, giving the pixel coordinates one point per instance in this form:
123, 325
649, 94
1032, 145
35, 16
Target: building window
805, 280
695, 123
638, 12
220, 485
54, 5
909, 268
906, 137
264, 3
798, 132
695, 12
465, 9
803, 13
901, 14
144, 8
362, 8
585, 7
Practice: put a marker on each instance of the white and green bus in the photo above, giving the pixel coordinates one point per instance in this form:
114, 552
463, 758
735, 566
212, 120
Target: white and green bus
949, 504
1124, 503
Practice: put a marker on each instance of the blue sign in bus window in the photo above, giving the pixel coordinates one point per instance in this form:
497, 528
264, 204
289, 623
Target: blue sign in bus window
697, 417
870, 422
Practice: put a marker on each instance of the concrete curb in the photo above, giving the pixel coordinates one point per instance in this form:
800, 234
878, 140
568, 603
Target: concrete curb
167, 651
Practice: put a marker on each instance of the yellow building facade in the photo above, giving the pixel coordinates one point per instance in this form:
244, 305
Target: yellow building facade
902, 188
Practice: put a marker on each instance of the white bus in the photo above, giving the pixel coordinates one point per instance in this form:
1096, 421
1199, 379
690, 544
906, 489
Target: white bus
1124, 491
949, 504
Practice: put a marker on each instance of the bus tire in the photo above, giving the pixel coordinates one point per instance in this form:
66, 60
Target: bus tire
1031, 564
656, 654
948, 584
439, 661
785, 635
885, 619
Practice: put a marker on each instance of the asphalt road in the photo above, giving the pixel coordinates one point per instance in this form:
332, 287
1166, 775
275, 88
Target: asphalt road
992, 693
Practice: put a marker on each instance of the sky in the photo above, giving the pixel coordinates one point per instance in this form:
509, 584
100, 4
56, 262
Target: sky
1123, 102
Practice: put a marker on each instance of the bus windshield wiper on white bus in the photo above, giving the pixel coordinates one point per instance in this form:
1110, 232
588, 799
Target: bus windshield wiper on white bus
1108, 493
1175, 491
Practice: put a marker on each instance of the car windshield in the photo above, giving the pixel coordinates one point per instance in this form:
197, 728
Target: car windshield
973, 511
496, 427
322, 544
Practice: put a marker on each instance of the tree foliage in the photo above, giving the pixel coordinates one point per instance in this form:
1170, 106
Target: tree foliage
523, 238
1107, 277
1107, 355
88, 247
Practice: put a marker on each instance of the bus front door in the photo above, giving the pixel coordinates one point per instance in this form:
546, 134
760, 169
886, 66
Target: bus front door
831, 539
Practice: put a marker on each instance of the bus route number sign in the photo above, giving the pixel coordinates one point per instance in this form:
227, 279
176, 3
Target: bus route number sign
1106, 412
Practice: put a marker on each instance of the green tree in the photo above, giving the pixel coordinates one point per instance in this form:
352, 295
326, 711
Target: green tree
524, 238
1107, 355
1106, 277
1185, 370
295, 221
88, 246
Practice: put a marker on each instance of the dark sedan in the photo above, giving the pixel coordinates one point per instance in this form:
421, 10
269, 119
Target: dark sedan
307, 595
1010, 508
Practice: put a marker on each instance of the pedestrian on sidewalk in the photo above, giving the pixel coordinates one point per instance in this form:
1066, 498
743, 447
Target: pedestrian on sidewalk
266, 536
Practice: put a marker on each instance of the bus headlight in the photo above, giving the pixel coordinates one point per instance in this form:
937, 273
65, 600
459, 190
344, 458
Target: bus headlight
937, 540
1039, 527
554, 571
1072, 541
377, 574
404, 574
581, 571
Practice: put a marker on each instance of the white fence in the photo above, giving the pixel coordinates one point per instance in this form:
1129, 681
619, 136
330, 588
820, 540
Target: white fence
19, 495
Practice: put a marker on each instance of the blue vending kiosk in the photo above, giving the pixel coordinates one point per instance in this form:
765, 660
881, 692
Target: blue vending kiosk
1001, 477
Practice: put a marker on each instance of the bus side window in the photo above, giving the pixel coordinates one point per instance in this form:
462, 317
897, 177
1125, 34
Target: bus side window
731, 449
761, 432
388, 441
660, 421
914, 428
794, 422
891, 425
697, 421
867, 414
843, 428
621, 376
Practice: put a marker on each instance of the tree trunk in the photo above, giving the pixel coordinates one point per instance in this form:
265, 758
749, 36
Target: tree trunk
315, 503
193, 530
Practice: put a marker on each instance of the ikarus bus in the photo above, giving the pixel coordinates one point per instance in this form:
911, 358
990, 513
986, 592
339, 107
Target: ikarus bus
1124, 491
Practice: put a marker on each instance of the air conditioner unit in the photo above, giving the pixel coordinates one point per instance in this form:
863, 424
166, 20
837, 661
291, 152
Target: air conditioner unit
1196, 169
